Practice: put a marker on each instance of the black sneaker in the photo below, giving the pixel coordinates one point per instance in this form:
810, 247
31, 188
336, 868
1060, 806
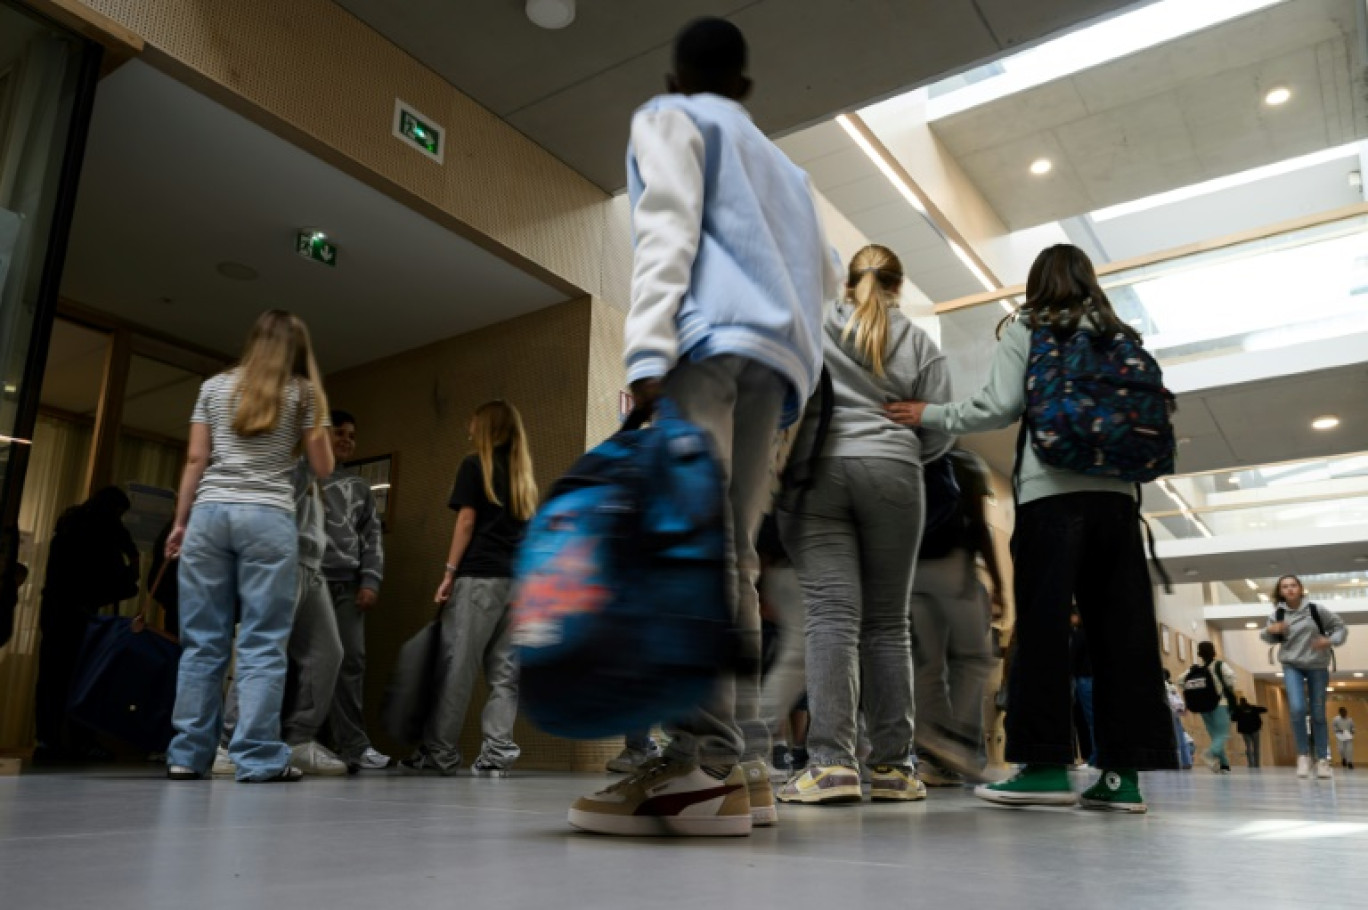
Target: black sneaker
483, 767
290, 775
181, 772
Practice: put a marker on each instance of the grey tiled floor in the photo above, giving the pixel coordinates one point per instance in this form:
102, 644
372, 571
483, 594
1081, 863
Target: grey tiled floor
127, 839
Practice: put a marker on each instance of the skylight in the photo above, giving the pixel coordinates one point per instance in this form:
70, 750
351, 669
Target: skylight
1092, 46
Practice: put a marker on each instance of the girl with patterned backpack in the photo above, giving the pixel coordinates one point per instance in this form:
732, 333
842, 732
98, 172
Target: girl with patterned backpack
1095, 410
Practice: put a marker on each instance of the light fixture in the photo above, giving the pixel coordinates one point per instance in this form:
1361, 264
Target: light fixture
552, 14
1190, 573
882, 163
1251, 625
10, 388
1329, 688
1279, 673
1358, 676
1264, 598
1042, 166
1327, 422
1252, 584
1277, 96
14, 440
1361, 560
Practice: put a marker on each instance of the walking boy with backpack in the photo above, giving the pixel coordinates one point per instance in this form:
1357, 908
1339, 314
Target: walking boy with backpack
730, 272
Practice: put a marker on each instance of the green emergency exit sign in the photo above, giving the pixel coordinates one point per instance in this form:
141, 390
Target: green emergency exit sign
315, 245
419, 131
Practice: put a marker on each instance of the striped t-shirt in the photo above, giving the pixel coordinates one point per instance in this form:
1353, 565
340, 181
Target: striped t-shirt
251, 469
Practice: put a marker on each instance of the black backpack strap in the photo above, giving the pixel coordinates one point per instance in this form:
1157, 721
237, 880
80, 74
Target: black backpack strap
799, 476
1320, 627
1149, 537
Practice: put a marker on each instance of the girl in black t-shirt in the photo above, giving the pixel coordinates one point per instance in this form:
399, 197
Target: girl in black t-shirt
494, 496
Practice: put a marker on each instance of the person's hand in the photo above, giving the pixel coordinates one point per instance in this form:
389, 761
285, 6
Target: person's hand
999, 603
907, 413
1277, 628
646, 392
174, 541
1321, 643
443, 590
365, 599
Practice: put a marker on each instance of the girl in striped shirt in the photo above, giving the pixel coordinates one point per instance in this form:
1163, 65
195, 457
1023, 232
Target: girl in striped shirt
238, 546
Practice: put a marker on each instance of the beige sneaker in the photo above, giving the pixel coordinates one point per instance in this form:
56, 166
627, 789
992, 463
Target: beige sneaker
894, 782
668, 798
223, 765
762, 808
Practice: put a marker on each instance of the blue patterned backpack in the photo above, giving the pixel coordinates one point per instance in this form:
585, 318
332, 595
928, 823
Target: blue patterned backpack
621, 617
1097, 405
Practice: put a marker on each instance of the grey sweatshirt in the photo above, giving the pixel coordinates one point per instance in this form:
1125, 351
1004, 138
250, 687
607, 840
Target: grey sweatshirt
356, 551
313, 539
998, 404
914, 369
1296, 648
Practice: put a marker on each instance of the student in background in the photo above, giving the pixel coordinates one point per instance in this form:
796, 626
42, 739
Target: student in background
1307, 633
353, 567
1217, 720
1248, 723
494, 497
236, 539
1344, 735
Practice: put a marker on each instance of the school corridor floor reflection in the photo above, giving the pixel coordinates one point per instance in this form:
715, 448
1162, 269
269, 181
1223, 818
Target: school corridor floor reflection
124, 839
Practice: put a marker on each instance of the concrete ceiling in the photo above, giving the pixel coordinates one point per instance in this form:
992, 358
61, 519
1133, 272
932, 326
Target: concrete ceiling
573, 91
1177, 114
175, 184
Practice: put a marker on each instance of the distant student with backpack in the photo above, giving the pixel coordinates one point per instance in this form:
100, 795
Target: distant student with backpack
238, 545
950, 617
1077, 535
1307, 633
730, 270
1249, 723
494, 497
1344, 735
1209, 690
854, 538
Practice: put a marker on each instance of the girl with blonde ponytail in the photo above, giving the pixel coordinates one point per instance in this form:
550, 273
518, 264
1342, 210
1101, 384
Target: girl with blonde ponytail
238, 545
494, 497
862, 519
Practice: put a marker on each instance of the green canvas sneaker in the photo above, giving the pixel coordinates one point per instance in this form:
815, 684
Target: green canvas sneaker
1033, 785
1115, 791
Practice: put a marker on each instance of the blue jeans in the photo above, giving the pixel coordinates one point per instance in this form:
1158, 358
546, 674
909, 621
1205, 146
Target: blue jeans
247, 554
1297, 681
1184, 750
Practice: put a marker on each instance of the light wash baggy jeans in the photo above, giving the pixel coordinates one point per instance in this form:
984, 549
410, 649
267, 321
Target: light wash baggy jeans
475, 634
738, 403
855, 546
235, 552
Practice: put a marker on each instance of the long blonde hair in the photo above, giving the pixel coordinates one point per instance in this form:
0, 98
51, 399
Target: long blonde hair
872, 285
278, 350
498, 423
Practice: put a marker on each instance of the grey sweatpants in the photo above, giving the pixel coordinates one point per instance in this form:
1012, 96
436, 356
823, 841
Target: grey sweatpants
347, 718
475, 635
738, 403
855, 544
315, 654
951, 656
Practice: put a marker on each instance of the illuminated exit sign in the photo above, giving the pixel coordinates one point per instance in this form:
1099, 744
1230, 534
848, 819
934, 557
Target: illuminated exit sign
419, 131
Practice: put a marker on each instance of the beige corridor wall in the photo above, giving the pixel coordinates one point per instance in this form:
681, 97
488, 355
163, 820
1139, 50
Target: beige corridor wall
315, 74
417, 406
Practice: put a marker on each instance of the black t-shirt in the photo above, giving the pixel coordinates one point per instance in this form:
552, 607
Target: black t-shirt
497, 532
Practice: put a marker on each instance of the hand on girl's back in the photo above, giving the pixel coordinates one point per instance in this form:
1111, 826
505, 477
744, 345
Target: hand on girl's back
907, 413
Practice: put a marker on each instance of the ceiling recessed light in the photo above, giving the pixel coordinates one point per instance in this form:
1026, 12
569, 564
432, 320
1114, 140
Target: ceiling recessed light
1361, 559
1251, 625
236, 271
1041, 166
1328, 422
1277, 96
551, 14
1280, 673
1358, 676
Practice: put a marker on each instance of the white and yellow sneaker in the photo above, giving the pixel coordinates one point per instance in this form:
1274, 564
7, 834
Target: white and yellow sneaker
895, 782
822, 784
669, 798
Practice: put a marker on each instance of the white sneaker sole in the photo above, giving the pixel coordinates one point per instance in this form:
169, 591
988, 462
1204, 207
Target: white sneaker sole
881, 795
1005, 798
832, 796
373, 765
658, 826
1108, 806
764, 816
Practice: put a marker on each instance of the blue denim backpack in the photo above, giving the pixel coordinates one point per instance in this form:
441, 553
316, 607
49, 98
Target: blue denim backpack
621, 615
1097, 405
